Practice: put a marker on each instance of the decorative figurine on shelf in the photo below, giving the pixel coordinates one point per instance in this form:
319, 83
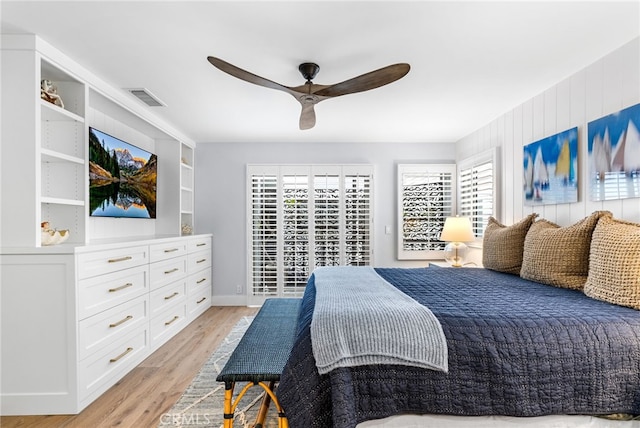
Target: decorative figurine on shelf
52, 236
184, 161
186, 229
49, 92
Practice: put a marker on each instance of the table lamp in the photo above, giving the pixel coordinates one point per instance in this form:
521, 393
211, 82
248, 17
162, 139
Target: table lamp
457, 230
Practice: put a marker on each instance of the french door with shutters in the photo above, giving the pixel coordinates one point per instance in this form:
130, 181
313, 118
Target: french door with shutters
305, 216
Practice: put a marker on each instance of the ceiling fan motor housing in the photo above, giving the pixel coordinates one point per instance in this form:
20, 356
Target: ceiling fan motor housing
309, 70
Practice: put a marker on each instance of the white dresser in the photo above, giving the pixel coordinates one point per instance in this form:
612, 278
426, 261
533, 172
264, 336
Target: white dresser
76, 319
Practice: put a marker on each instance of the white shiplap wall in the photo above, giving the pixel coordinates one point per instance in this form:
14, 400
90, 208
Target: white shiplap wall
607, 86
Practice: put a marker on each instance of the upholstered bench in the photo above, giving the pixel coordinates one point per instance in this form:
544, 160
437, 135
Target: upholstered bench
260, 357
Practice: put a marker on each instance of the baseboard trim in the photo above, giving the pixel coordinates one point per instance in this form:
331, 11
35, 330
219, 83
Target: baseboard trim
229, 300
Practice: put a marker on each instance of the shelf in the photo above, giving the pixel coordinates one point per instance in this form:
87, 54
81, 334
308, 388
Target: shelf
186, 201
54, 113
186, 223
187, 166
54, 156
70, 89
61, 201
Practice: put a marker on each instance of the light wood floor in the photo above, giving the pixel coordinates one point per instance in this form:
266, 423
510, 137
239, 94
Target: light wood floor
149, 390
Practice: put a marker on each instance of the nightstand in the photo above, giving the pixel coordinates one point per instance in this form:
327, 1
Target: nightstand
442, 263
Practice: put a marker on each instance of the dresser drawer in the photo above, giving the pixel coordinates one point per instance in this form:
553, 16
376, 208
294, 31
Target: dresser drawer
100, 330
198, 301
101, 262
106, 291
167, 250
198, 280
163, 273
199, 244
105, 368
198, 261
168, 295
164, 325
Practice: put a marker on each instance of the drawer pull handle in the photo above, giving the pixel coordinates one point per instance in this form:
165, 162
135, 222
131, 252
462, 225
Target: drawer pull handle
201, 244
113, 360
172, 296
120, 259
200, 281
122, 287
201, 300
123, 320
171, 250
201, 260
172, 320
167, 272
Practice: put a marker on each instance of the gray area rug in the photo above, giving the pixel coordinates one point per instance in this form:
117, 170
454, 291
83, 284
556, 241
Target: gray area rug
202, 403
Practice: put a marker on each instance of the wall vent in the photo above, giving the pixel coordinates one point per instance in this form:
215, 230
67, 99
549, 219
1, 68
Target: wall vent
146, 97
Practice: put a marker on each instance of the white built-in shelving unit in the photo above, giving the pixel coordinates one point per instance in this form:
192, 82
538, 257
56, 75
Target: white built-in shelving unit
54, 188
62, 188
78, 316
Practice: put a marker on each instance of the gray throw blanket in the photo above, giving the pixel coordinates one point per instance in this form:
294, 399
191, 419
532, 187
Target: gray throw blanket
361, 319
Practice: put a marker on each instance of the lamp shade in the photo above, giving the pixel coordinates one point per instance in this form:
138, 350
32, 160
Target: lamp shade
457, 229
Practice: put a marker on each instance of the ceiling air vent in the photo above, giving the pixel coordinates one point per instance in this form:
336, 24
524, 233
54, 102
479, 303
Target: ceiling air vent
146, 97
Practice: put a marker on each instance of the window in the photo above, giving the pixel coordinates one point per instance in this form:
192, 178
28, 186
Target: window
426, 195
302, 217
477, 184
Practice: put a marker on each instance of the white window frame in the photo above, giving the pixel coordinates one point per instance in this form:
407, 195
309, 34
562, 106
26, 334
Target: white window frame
426, 169
475, 161
343, 172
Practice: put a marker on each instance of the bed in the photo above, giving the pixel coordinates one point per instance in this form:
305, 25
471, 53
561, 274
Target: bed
515, 347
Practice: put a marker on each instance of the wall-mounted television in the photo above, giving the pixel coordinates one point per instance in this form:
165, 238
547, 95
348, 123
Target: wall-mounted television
122, 178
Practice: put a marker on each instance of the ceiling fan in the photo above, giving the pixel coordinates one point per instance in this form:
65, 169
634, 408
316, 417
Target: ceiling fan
310, 94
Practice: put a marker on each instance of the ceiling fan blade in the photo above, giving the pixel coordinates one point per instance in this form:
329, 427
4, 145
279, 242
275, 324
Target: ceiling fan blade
247, 76
307, 116
364, 82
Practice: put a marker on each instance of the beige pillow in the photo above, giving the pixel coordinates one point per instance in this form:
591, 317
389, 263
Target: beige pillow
559, 256
614, 263
502, 245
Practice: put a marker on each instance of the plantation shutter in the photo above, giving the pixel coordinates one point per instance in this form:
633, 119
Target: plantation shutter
295, 231
326, 219
302, 217
264, 233
426, 198
476, 195
477, 181
357, 219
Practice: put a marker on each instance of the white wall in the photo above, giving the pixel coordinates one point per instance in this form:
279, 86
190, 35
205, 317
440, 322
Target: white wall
607, 86
220, 177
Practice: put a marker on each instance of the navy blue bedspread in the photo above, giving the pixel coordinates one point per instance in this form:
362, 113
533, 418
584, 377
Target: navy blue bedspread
516, 348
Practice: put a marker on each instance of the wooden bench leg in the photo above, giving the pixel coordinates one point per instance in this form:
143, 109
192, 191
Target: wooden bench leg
282, 419
230, 405
229, 408
264, 408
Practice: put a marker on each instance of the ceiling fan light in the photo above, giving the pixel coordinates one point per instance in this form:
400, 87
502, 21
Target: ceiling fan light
309, 99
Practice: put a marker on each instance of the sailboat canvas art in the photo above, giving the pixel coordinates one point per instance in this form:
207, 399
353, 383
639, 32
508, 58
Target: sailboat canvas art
551, 169
614, 155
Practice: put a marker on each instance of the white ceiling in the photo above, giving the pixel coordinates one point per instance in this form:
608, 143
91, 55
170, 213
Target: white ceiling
470, 61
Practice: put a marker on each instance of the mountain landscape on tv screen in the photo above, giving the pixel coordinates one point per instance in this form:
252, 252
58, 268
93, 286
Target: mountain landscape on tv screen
122, 178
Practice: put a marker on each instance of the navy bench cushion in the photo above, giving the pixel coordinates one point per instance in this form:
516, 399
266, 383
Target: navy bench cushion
264, 349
